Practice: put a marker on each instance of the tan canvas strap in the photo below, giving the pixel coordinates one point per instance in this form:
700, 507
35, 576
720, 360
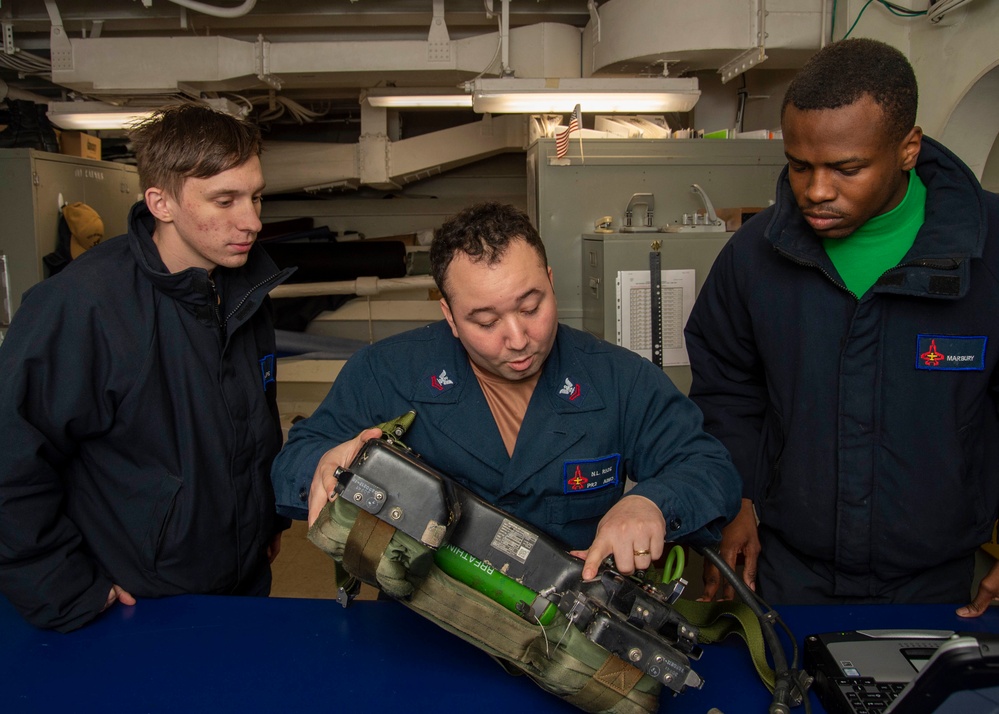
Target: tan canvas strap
614, 680
364, 547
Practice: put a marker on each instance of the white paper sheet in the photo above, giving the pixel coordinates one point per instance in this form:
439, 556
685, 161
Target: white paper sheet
634, 313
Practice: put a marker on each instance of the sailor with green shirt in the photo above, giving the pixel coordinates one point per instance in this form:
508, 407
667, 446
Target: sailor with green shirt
844, 349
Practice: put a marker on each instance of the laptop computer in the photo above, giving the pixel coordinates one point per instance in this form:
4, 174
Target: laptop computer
905, 671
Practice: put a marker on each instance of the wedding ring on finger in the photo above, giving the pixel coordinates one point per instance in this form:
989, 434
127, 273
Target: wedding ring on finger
642, 552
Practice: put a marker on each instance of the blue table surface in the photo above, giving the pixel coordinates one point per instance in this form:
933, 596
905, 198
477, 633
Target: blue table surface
229, 654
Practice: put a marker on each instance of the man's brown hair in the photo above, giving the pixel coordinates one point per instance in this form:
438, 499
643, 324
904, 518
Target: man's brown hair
190, 140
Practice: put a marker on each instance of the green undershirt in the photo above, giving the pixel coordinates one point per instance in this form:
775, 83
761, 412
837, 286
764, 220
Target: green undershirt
879, 244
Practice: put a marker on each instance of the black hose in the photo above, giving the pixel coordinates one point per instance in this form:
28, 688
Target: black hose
785, 678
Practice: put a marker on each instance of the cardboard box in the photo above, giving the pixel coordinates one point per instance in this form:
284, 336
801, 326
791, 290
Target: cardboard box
735, 217
78, 143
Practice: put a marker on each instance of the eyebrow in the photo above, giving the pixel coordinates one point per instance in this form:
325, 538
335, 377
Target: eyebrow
850, 160
491, 309
234, 191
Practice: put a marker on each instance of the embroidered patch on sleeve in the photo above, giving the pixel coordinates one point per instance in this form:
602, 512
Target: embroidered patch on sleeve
572, 392
950, 353
267, 370
438, 382
590, 474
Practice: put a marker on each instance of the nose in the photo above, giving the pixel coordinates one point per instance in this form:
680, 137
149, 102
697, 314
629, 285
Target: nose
820, 188
249, 219
516, 335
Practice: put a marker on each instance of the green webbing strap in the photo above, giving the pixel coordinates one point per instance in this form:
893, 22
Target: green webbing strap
718, 620
397, 427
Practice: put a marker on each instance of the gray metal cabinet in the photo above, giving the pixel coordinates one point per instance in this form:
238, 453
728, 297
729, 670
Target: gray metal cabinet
567, 197
607, 254
33, 185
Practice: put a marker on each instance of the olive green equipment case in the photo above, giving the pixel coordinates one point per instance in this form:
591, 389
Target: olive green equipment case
556, 656
544, 643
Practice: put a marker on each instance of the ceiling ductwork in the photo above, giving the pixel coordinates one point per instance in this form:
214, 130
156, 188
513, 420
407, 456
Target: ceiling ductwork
302, 60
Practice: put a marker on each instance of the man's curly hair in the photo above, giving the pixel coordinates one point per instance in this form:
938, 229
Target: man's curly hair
842, 73
483, 232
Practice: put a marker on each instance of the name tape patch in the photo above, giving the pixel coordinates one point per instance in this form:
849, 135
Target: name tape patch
951, 353
590, 474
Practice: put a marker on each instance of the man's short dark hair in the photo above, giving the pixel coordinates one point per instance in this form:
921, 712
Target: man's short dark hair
842, 73
190, 141
483, 232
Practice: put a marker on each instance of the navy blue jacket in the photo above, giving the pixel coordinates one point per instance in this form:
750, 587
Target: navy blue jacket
599, 412
865, 430
138, 422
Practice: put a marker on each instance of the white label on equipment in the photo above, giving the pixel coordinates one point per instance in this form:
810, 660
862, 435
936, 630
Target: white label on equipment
515, 541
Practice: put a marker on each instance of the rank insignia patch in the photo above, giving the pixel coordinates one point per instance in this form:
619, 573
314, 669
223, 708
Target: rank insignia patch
572, 392
439, 382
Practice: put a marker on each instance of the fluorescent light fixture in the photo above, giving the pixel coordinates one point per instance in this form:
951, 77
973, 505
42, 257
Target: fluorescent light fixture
81, 116
430, 98
607, 96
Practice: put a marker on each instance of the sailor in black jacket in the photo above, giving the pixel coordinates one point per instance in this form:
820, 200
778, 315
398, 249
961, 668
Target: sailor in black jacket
138, 417
858, 390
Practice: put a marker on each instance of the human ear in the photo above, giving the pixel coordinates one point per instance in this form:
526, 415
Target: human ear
159, 204
909, 148
446, 309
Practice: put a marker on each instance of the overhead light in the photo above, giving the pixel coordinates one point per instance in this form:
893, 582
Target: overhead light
559, 96
430, 98
81, 116
86, 115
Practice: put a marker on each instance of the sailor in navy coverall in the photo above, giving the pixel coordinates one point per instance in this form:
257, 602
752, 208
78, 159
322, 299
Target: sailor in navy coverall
599, 414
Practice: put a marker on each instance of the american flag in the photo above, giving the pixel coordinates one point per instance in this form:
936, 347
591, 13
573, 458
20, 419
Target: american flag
562, 140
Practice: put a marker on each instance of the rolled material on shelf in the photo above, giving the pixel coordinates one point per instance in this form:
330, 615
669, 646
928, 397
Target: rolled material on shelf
333, 261
360, 286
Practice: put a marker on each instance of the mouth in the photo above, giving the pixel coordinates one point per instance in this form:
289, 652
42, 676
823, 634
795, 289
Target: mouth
519, 365
822, 222
242, 247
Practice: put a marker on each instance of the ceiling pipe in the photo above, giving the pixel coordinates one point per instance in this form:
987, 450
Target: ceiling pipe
227, 12
505, 69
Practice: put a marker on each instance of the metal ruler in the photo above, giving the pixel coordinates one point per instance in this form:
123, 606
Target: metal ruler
656, 302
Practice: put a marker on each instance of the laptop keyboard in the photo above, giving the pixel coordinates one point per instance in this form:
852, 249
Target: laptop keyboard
863, 695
